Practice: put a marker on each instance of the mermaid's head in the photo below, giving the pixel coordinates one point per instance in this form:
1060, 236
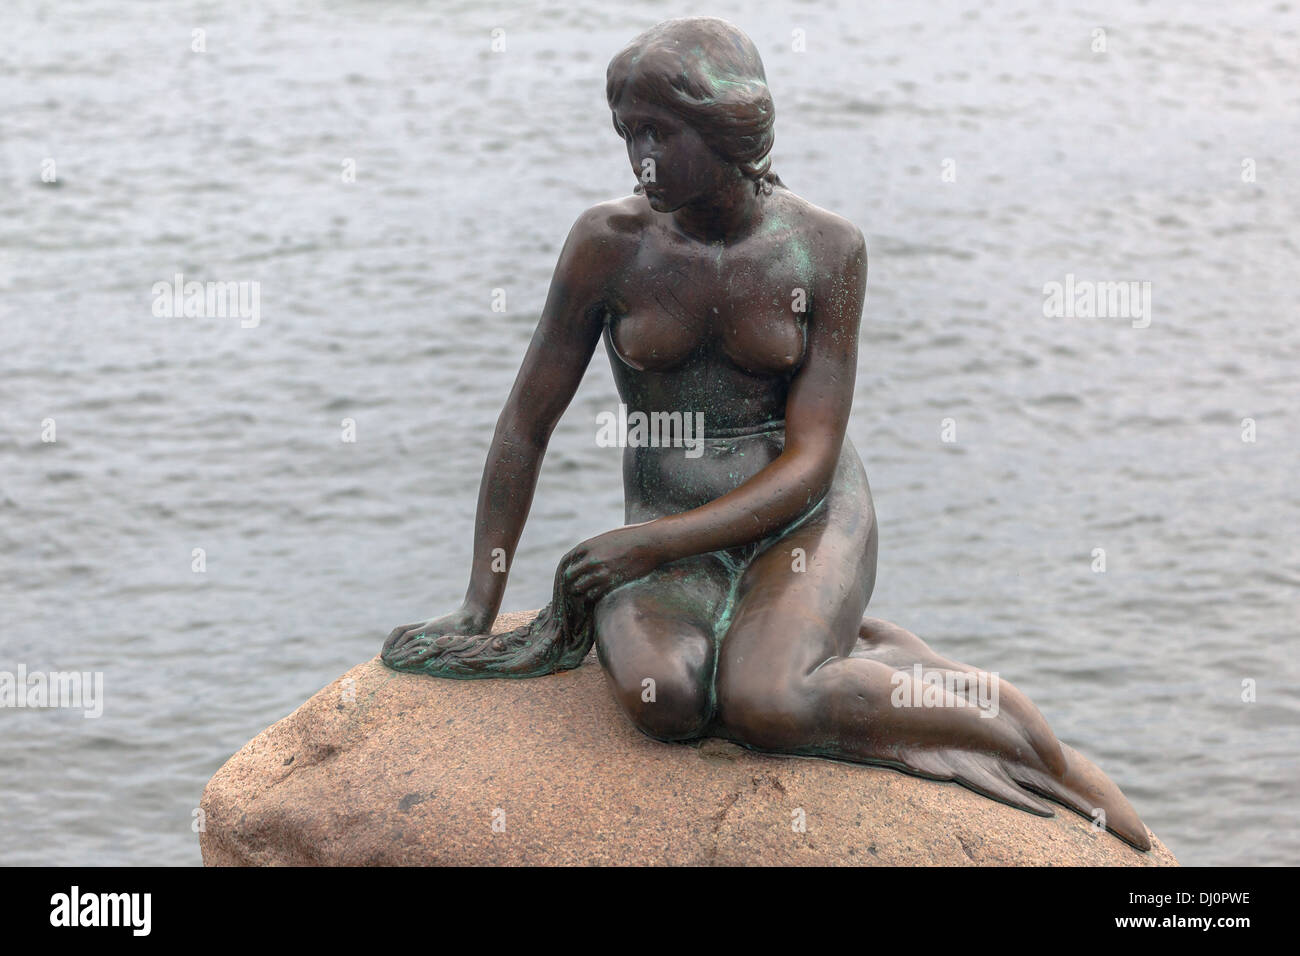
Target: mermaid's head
690, 99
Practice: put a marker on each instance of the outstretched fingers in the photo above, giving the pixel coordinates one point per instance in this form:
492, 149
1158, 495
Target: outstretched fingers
420, 650
400, 635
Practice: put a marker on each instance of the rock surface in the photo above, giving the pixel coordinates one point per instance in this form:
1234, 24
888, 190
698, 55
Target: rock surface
385, 768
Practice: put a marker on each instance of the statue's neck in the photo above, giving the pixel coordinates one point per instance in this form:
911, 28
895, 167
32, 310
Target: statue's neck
726, 215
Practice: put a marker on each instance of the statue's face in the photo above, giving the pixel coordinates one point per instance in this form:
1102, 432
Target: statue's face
669, 158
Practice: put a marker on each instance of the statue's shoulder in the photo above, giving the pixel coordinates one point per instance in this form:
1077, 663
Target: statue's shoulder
838, 239
609, 231
624, 217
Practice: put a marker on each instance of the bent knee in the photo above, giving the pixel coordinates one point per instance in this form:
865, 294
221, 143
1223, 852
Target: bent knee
659, 666
665, 707
663, 688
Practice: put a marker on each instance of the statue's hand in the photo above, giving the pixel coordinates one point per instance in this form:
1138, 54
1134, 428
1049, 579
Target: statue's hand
600, 564
410, 638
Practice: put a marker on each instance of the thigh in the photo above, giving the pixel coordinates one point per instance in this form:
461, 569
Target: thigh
801, 599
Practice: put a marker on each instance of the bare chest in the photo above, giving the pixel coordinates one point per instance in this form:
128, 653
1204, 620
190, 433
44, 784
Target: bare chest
666, 311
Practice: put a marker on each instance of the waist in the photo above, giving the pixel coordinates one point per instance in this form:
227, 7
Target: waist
661, 481
711, 442
675, 430
765, 428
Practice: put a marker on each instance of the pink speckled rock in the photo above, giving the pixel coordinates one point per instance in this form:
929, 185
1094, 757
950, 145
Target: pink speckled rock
387, 768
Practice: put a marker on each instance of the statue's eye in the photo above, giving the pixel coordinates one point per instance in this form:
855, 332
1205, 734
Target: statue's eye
650, 131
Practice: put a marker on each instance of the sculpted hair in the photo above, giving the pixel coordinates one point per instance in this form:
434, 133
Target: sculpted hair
709, 73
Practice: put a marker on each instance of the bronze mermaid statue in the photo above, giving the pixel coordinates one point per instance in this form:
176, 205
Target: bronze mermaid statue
736, 590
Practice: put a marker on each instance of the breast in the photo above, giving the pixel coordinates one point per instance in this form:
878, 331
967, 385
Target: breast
771, 343
765, 342
654, 343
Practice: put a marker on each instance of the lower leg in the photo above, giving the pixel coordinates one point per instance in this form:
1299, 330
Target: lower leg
866, 711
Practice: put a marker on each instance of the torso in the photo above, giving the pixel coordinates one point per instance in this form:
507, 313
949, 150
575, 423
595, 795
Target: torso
707, 328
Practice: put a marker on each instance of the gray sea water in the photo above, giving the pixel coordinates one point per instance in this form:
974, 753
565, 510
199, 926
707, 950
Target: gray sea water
984, 153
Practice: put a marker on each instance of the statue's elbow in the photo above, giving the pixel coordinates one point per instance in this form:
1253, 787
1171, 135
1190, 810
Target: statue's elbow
814, 487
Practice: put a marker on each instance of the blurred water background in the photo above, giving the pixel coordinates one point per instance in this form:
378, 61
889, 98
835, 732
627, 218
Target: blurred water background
375, 305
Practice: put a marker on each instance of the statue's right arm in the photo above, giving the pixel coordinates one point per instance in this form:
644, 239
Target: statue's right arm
561, 348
